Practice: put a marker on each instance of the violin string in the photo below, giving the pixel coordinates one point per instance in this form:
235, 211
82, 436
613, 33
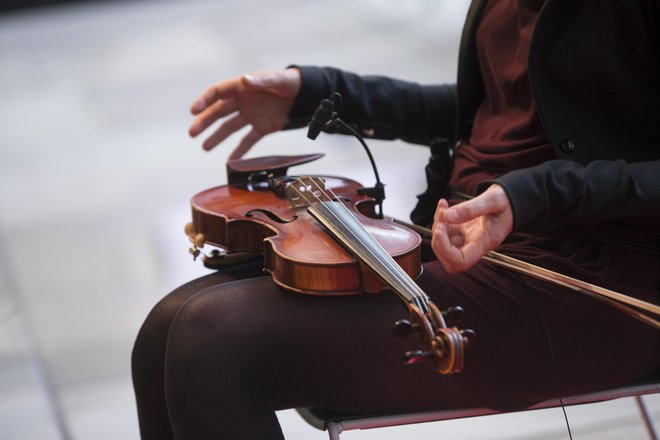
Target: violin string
399, 277
421, 299
336, 217
410, 294
343, 216
402, 278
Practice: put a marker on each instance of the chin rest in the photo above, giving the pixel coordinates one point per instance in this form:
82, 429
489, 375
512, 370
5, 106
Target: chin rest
336, 422
241, 170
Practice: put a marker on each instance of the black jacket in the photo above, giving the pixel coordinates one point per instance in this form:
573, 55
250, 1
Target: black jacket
594, 69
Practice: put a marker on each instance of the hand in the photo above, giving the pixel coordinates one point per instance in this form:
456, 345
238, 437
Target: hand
260, 99
466, 232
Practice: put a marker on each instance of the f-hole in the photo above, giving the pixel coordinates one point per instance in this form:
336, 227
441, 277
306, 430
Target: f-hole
271, 215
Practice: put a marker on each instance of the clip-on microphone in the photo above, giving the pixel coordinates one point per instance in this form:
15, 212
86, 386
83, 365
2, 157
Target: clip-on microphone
325, 117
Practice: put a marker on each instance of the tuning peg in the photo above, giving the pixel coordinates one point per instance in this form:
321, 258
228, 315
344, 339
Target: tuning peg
194, 252
413, 357
453, 315
471, 337
404, 328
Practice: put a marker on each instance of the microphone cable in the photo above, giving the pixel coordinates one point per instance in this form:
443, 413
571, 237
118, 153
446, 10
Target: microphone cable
326, 117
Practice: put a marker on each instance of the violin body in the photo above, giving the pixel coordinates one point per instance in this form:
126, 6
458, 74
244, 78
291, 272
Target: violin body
318, 235
248, 216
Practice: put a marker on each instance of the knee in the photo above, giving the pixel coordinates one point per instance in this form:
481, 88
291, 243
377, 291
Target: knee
221, 324
157, 324
205, 317
152, 337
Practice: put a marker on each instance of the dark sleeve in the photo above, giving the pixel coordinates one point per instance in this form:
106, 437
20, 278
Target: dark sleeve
379, 107
601, 190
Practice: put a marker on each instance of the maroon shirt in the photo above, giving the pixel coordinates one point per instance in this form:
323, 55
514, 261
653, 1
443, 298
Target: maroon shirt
507, 134
507, 131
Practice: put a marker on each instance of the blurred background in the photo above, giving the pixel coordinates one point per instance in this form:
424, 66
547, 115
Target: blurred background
96, 173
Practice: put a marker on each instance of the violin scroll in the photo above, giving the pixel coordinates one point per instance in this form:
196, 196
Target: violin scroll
444, 346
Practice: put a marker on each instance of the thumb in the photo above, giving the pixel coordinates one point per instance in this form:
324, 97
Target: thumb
260, 80
285, 83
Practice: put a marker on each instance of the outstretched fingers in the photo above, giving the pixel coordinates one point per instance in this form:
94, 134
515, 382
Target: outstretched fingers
261, 99
246, 143
225, 130
222, 90
218, 110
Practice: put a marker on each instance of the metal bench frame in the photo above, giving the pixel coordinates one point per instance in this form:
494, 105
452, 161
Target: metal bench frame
336, 423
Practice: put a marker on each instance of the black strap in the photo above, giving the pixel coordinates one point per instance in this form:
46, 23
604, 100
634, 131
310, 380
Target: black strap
438, 172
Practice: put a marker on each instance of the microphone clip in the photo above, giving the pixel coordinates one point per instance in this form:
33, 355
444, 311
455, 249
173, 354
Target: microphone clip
376, 192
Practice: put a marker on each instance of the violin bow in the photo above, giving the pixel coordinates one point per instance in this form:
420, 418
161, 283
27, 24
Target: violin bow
626, 303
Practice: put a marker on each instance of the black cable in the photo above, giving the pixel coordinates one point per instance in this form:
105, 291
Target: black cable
354, 132
378, 190
326, 116
553, 359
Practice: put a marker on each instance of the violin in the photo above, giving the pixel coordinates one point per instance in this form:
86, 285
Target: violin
317, 235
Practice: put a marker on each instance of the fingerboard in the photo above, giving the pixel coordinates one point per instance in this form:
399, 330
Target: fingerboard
348, 230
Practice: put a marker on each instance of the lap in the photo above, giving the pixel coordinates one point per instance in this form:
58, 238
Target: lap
346, 343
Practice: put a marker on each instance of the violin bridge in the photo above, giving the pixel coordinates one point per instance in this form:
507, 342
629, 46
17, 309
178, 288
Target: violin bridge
304, 191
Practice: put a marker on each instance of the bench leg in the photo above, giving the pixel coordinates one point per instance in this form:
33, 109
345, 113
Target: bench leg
646, 417
334, 429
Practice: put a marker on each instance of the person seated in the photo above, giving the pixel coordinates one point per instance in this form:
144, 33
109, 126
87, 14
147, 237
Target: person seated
554, 126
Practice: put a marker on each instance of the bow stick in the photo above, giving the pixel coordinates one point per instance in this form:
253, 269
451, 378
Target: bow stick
616, 299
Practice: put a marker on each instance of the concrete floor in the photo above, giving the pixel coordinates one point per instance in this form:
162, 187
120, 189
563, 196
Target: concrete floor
96, 171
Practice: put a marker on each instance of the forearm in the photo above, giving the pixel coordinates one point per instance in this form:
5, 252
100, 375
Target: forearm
379, 107
601, 190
